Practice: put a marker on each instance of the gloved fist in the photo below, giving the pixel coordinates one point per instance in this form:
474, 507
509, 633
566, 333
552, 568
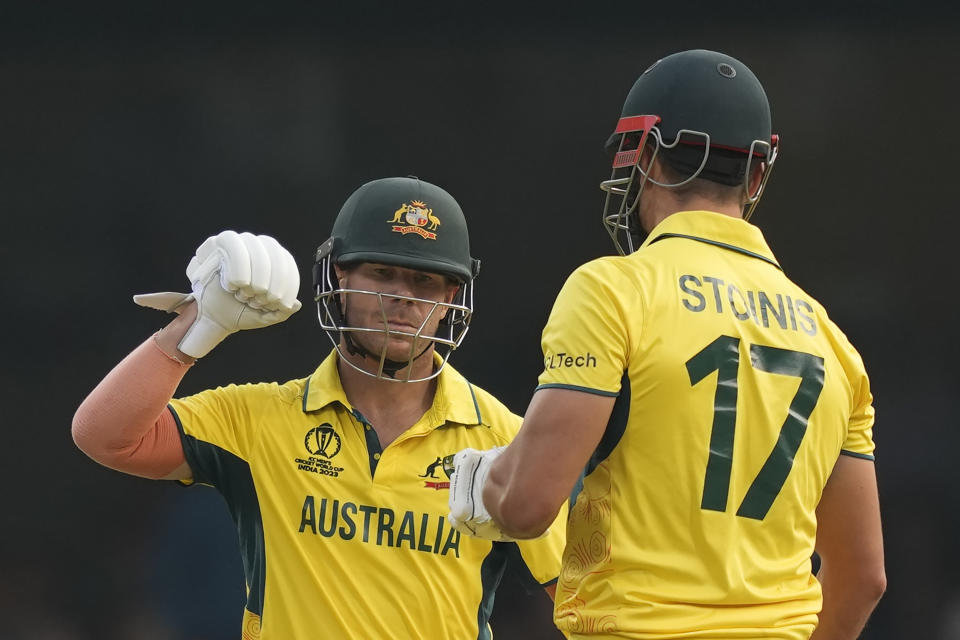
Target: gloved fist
240, 281
467, 511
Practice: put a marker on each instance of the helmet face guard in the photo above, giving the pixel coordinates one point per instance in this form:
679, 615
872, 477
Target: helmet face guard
634, 135
450, 331
621, 217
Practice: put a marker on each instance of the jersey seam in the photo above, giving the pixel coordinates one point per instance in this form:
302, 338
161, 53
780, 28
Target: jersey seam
643, 309
277, 386
255, 445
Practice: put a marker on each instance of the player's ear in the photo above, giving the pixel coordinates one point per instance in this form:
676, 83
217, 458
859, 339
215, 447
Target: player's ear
452, 288
341, 274
757, 170
647, 157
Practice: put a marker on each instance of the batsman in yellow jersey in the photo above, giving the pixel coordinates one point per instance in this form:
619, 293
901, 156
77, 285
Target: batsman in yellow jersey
335, 480
709, 424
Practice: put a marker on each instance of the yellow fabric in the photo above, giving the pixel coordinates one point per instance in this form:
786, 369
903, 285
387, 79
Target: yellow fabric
647, 556
346, 552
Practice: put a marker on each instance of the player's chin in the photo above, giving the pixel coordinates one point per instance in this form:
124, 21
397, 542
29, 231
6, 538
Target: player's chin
397, 348
404, 350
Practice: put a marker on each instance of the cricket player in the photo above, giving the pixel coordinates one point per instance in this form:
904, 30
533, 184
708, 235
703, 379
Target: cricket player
709, 423
335, 481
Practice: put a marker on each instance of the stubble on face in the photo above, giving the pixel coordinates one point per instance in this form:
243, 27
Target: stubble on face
395, 322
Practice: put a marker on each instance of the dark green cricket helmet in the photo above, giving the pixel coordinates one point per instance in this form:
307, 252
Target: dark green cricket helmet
404, 222
702, 91
705, 115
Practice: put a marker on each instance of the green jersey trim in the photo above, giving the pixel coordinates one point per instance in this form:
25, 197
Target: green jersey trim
231, 476
519, 567
573, 387
476, 405
616, 426
716, 243
575, 493
491, 571
306, 394
854, 454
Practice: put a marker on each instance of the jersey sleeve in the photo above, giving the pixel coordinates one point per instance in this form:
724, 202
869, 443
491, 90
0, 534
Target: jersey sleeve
586, 340
217, 429
859, 440
540, 558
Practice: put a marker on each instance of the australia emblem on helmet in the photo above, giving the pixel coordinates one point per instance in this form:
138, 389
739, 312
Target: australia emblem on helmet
419, 219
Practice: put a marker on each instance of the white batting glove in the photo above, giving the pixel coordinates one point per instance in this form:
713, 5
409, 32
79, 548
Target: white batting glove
240, 281
467, 511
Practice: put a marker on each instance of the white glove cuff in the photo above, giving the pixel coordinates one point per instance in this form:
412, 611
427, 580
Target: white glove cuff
467, 510
202, 336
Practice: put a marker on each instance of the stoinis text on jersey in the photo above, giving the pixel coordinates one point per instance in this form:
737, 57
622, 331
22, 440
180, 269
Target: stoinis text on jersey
557, 360
763, 308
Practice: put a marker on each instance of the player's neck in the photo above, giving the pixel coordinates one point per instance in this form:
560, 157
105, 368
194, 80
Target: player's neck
667, 208
391, 407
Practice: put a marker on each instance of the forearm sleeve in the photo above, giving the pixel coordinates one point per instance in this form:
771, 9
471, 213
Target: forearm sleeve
125, 424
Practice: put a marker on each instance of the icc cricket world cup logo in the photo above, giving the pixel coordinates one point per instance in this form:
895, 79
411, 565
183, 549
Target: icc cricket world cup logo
322, 441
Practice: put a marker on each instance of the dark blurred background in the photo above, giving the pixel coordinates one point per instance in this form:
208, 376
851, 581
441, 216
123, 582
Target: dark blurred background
129, 132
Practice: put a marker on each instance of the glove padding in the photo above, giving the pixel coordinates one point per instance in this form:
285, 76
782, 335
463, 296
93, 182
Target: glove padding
467, 511
240, 281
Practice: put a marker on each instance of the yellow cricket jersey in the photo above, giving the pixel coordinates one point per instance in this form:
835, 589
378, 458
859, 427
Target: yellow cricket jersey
339, 537
735, 396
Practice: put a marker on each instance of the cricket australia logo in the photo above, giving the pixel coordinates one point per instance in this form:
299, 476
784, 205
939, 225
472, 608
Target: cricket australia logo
419, 219
431, 472
322, 443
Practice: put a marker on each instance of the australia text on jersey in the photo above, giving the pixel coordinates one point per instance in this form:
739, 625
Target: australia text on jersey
747, 304
425, 533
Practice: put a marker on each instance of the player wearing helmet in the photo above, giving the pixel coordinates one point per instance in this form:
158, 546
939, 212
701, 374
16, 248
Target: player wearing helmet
394, 337
332, 479
712, 424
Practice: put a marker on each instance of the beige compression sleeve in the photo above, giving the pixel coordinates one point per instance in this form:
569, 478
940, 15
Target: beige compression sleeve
125, 424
